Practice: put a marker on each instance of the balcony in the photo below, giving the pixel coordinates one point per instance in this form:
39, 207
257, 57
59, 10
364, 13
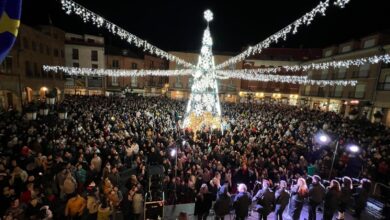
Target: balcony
383, 86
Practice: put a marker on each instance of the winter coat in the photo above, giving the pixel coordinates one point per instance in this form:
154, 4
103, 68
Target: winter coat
282, 197
241, 204
316, 192
69, 185
222, 204
137, 203
92, 204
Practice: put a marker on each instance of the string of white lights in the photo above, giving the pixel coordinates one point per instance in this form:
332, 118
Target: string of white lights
76, 71
319, 66
70, 7
282, 34
302, 80
341, 3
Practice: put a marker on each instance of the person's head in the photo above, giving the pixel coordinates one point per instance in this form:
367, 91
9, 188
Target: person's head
282, 184
316, 179
347, 182
204, 188
366, 184
241, 188
301, 182
335, 185
182, 216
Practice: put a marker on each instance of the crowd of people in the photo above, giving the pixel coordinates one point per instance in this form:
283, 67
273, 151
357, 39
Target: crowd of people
96, 163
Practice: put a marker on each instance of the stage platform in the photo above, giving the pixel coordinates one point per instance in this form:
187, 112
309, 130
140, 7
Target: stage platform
171, 212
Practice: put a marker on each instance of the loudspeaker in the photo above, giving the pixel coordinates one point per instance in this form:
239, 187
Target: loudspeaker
154, 210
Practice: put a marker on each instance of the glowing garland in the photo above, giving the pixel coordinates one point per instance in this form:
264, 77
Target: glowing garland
75, 71
303, 80
282, 34
317, 66
70, 7
341, 3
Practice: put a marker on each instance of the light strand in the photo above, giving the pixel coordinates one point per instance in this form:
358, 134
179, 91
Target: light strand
76, 71
321, 66
70, 7
341, 3
302, 80
282, 34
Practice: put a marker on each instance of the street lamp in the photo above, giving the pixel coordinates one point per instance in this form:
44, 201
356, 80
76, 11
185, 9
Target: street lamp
324, 139
174, 154
353, 148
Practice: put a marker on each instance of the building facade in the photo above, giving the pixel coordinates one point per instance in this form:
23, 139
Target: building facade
84, 51
368, 96
21, 77
123, 59
236, 90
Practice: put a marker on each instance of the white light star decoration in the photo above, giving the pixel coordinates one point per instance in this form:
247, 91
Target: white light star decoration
208, 15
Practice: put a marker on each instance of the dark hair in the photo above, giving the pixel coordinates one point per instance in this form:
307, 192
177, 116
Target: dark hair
104, 203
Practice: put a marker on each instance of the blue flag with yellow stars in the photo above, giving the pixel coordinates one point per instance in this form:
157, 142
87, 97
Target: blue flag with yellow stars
10, 11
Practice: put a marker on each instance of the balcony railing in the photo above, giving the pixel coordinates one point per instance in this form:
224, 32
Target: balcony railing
383, 86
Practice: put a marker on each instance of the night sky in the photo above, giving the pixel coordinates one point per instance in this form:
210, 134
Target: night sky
179, 24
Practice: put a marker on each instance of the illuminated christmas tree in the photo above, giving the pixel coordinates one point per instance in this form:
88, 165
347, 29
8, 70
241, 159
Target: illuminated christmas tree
203, 108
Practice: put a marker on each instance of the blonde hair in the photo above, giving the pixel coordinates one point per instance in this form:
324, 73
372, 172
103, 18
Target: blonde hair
302, 187
241, 187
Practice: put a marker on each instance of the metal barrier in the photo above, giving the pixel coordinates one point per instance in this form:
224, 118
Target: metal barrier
376, 187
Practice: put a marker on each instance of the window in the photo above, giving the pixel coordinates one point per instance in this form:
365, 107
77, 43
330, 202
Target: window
6, 65
179, 66
324, 74
94, 66
134, 66
115, 64
346, 49
28, 68
36, 70
359, 90
309, 74
76, 65
41, 49
328, 53
94, 55
114, 80
62, 53
48, 50
75, 54
369, 43
386, 85
307, 90
56, 53
364, 70
341, 73
25, 43
151, 65
338, 90
34, 46
134, 82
